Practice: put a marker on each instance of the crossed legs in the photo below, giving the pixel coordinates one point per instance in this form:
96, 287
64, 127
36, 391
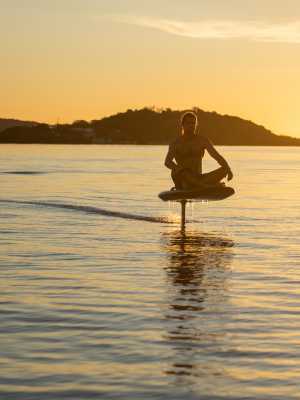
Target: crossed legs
215, 176
187, 180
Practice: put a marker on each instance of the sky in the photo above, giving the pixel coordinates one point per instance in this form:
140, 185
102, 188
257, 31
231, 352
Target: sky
85, 59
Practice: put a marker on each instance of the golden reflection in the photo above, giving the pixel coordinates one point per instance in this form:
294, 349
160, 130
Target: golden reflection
197, 278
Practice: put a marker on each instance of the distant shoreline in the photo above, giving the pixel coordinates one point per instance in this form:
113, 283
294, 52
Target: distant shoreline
146, 126
142, 144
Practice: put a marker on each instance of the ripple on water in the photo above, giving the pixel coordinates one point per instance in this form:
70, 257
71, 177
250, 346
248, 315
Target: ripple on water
94, 305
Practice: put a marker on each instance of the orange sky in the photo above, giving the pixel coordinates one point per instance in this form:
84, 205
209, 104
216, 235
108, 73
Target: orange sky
87, 59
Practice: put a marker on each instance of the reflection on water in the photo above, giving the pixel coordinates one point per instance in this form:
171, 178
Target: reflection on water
197, 278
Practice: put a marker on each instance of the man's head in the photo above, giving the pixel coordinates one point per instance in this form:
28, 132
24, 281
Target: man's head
188, 123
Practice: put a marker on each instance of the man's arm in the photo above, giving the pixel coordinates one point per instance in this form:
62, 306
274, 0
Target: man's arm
217, 156
169, 163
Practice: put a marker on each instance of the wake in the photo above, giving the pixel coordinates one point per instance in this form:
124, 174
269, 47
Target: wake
91, 210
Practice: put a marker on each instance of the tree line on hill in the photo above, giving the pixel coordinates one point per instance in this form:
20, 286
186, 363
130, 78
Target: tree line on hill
147, 126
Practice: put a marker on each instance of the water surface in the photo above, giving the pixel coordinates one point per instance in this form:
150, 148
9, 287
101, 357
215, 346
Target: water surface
102, 295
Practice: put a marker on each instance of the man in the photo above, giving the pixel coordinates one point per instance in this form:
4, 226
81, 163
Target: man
187, 151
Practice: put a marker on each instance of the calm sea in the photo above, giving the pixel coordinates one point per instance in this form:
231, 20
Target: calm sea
102, 296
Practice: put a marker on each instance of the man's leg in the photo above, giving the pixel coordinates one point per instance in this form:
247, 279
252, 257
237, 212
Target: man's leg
186, 180
215, 176
177, 180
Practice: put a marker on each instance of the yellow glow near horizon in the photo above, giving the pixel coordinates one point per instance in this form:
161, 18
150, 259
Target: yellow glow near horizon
92, 60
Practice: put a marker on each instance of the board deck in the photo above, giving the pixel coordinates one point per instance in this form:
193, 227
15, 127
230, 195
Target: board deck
207, 194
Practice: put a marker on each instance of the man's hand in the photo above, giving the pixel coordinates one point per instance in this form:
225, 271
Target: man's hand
229, 175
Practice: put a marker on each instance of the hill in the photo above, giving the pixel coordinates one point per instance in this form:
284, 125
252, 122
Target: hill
147, 126
6, 123
150, 126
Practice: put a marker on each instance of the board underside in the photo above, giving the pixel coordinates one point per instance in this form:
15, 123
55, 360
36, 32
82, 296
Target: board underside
207, 194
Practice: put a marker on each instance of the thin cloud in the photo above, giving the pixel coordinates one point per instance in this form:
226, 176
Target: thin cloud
287, 32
